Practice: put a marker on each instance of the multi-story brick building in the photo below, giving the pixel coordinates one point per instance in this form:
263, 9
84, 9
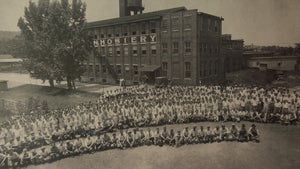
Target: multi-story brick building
232, 53
178, 44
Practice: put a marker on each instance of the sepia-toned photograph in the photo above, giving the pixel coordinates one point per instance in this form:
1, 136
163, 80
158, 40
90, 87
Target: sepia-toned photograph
149, 84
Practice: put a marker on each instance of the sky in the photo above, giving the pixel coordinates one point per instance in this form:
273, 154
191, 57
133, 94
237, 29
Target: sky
258, 22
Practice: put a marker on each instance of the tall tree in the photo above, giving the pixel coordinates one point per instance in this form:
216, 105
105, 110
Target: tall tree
55, 39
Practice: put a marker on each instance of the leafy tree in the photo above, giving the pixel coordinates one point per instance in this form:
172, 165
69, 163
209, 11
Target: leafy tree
55, 40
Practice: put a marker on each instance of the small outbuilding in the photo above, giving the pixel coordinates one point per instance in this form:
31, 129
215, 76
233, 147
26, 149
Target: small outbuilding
3, 85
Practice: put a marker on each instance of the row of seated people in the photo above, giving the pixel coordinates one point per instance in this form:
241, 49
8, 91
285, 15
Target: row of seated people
128, 139
92, 129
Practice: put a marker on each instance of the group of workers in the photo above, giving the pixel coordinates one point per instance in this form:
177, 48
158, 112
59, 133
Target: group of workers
125, 139
142, 106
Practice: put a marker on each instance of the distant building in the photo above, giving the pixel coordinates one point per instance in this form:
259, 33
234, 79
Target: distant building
3, 85
281, 63
181, 45
8, 62
232, 53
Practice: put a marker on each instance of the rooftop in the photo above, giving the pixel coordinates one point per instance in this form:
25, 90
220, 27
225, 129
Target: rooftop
134, 18
10, 60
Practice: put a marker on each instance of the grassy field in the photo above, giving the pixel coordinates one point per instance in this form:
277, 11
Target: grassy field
279, 149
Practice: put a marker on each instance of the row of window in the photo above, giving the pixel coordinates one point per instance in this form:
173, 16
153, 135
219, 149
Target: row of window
117, 68
187, 69
127, 30
210, 69
126, 50
209, 25
205, 70
207, 48
175, 49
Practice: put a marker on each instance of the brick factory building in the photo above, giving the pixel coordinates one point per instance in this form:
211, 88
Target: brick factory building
232, 52
183, 46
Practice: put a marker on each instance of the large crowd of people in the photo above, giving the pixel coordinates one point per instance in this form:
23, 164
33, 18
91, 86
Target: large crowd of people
142, 106
128, 139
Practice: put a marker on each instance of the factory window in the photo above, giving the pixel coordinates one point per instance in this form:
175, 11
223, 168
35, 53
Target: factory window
165, 25
109, 35
187, 22
201, 70
102, 36
201, 24
153, 30
135, 70
118, 51
127, 68
95, 37
97, 69
204, 68
153, 49
143, 28
175, 23
209, 68
175, 47
134, 32
117, 35
110, 51
144, 50
153, 27
204, 47
126, 51
188, 46
216, 67
103, 68
119, 69
216, 26
208, 24
103, 50
134, 50
187, 70
200, 47
165, 69
125, 34
165, 47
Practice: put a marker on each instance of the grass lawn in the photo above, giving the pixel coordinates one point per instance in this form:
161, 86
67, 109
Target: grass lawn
279, 149
56, 97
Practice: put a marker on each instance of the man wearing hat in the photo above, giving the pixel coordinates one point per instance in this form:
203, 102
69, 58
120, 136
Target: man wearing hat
130, 140
209, 136
179, 140
186, 135
165, 136
194, 135
201, 135
217, 134
253, 133
243, 134
224, 133
233, 135
114, 141
157, 138
121, 140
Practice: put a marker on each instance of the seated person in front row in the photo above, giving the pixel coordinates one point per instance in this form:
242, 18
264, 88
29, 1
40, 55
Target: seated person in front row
253, 133
243, 134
